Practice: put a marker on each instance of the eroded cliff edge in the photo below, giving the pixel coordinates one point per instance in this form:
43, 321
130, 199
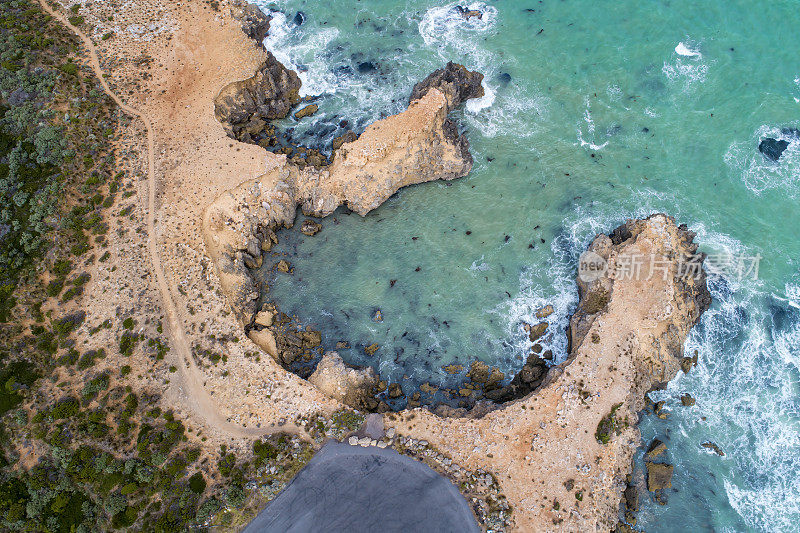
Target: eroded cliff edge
562, 451
418, 145
563, 442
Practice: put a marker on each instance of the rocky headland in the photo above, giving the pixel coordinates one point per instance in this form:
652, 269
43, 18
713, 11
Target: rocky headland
571, 428
418, 145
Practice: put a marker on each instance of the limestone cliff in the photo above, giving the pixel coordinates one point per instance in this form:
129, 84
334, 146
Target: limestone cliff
565, 448
418, 145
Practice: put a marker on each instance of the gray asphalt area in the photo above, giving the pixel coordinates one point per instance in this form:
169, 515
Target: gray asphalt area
355, 489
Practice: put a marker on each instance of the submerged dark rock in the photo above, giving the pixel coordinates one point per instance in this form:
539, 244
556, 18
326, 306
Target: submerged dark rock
772, 148
299, 18
366, 67
708, 445
791, 132
659, 476
655, 449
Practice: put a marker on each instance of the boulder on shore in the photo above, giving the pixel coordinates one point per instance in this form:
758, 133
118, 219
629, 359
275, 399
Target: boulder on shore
352, 386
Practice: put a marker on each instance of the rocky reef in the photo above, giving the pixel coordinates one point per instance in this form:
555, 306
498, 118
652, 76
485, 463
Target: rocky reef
773, 148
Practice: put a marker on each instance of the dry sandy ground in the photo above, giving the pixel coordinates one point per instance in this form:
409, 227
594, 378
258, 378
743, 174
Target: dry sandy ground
168, 60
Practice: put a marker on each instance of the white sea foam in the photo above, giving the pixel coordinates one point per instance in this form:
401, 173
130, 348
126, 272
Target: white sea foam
477, 104
481, 266
511, 113
793, 294
746, 384
684, 50
446, 26
797, 82
303, 52
760, 174
688, 68
587, 119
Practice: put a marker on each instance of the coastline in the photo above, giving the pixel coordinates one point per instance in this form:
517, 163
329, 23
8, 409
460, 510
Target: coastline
656, 364
199, 162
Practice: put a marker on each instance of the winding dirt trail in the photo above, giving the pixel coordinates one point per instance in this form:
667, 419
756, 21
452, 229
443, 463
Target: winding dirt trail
190, 388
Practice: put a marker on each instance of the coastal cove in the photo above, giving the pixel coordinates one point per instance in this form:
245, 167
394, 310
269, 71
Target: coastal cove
500, 265
560, 155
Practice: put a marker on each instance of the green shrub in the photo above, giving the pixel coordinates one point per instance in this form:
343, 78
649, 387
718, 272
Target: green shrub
66, 407
87, 359
15, 377
69, 323
69, 68
609, 425
197, 483
94, 386
127, 343
54, 287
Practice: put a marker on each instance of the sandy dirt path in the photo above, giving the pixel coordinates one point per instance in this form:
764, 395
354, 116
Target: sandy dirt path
189, 383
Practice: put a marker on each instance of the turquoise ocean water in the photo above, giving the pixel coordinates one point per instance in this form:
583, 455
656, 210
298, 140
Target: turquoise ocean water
595, 112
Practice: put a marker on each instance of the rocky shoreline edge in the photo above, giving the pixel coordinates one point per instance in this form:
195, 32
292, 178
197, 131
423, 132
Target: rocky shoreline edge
625, 338
418, 145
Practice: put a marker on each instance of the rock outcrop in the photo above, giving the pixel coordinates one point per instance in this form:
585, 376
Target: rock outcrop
352, 386
245, 107
255, 23
773, 148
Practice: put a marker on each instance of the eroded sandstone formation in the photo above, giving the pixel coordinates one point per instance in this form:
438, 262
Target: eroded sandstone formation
255, 23
244, 108
418, 145
565, 447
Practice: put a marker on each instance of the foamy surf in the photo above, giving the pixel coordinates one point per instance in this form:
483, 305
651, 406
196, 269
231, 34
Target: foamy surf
759, 174
746, 396
475, 105
510, 113
445, 24
303, 52
685, 51
688, 68
587, 119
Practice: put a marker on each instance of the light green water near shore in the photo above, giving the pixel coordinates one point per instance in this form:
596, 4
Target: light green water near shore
596, 112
